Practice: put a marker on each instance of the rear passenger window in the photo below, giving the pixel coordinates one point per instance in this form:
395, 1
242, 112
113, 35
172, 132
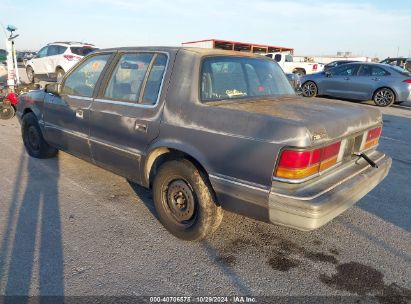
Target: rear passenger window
377, 71
128, 77
153, 85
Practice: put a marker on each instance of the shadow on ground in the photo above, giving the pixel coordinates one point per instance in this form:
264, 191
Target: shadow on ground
32, 243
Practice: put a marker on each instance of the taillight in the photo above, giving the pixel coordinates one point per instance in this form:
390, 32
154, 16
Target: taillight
315, 67
371, 138
407, 81
71, 57
301, 164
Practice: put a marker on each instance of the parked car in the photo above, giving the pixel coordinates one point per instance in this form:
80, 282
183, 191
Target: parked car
3, 56
286, 62
401, 62
208, 130
337, 63
55, 59
382, 83
3, 75
22, 56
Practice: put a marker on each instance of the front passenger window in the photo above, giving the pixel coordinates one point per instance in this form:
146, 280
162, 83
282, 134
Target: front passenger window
83, 80
345, 70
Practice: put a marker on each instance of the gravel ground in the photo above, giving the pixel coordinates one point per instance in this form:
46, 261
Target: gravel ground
70, 228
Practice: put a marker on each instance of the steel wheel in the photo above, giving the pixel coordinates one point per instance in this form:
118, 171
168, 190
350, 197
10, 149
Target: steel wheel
184, 201
33, 138
384, 97
179, 200
309, 89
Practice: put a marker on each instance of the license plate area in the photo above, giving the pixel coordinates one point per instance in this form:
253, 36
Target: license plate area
351, 146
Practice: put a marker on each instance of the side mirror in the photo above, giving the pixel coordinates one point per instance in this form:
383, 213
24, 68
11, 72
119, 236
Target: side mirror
328, 74
53, 88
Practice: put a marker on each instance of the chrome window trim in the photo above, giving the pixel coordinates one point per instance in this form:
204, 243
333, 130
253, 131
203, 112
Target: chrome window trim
135, 104
80, 97
125, 103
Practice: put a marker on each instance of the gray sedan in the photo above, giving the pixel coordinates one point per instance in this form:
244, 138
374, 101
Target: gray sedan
382, 83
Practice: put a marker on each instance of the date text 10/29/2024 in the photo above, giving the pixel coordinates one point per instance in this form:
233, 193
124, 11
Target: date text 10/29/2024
232, 299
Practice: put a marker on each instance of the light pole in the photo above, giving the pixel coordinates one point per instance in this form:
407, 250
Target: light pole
12, 69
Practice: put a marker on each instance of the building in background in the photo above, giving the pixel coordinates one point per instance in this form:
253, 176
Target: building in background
238, 46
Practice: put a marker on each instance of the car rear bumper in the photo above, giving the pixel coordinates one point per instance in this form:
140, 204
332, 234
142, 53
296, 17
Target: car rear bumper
312, 204
404, 94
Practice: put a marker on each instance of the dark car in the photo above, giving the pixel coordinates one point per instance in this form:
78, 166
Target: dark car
3, 55
208, 130
382, 83
401, 62
337, 63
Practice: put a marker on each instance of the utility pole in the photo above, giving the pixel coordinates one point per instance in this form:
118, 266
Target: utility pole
12, 68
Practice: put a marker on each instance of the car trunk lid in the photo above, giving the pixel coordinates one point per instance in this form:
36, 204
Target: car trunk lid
325, 119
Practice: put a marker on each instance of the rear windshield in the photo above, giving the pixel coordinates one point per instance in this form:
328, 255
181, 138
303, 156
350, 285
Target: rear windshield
228, 77
82, 51
400, 70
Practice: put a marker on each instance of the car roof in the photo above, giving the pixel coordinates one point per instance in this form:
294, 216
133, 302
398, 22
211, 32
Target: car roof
71, 43
175, 49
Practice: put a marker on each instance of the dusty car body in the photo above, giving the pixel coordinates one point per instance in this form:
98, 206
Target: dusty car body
242, 147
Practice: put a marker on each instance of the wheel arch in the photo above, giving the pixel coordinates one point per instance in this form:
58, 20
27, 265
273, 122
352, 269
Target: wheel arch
159, 154
313, 81
300, 69
385, 87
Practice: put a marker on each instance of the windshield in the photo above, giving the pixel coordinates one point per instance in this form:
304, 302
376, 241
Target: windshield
400, 70
82, 51
288, 58
241, 77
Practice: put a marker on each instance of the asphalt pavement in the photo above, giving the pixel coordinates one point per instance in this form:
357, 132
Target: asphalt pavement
70, 228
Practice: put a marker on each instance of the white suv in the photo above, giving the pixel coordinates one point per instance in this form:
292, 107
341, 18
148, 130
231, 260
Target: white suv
56, 58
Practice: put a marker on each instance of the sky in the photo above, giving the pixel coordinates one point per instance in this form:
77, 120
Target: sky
312, 27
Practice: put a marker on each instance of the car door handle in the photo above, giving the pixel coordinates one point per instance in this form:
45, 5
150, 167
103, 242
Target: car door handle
79, 113
141, 127
375, 79
347, 78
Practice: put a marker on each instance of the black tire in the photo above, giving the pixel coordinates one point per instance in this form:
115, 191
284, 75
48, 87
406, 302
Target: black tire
30, 74
309, 89
33, 139
185, 202
7, 112
59, 74
384, 97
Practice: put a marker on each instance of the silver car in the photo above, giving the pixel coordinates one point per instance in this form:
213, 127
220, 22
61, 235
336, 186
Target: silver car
384, 84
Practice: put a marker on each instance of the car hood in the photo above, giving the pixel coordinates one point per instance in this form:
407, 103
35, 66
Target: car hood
314, 120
